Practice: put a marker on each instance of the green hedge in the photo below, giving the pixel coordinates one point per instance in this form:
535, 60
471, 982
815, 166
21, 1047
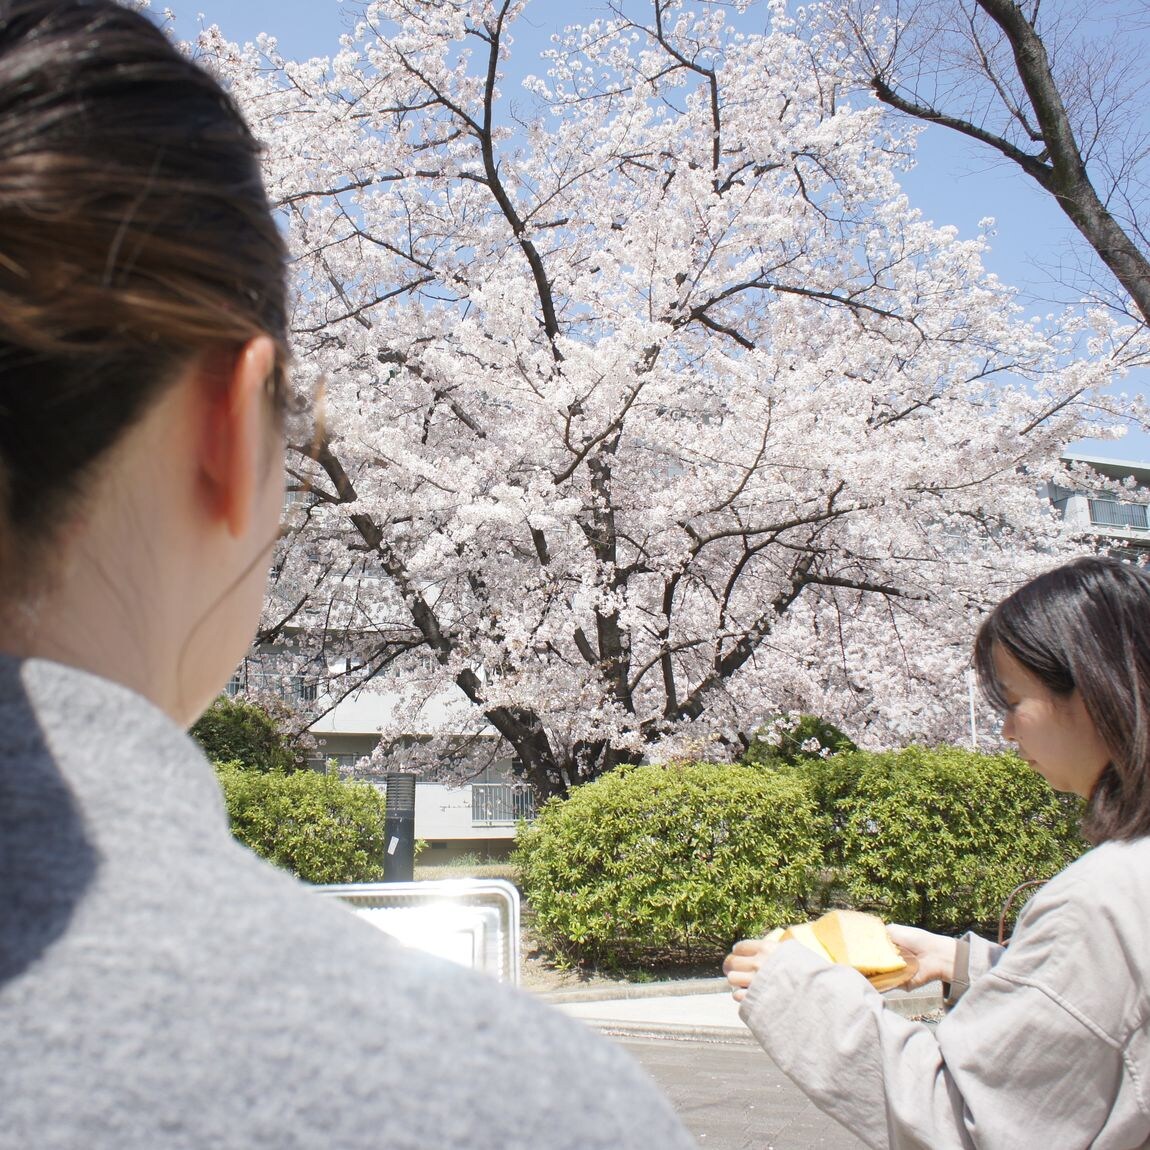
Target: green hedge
681, 859
939, 837
316, 825
652, 862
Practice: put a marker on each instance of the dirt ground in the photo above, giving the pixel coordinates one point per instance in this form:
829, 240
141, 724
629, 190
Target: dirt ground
539, 973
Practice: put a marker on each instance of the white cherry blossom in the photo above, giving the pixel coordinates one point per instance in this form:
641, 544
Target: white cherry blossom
652, 408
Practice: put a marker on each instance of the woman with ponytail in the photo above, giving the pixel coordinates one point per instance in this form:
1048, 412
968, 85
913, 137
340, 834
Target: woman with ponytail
159, 985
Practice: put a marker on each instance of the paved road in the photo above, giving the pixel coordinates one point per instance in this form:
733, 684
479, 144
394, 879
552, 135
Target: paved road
731, 1096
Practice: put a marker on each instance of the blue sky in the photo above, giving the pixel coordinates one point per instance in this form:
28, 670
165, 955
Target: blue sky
955, 181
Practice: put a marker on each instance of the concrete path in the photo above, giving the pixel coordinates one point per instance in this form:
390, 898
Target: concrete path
701, 1008
681, 1015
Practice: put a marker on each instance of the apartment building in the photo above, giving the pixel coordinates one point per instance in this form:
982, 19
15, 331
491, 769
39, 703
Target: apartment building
1121, 519
476, 816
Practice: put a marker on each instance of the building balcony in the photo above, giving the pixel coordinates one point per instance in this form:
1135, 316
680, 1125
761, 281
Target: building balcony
501, 804
473, 811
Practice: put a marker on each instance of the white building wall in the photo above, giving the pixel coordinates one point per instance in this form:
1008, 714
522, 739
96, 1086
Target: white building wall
1076, 512
445, 813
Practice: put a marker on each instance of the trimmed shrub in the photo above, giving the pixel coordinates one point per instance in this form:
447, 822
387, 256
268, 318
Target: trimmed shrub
940, 837
316, 825
246, 735
657, 861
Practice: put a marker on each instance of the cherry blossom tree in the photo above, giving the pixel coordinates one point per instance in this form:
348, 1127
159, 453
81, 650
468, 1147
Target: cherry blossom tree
651, 407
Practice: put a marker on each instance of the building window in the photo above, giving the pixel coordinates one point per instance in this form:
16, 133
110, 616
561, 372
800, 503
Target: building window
338, 763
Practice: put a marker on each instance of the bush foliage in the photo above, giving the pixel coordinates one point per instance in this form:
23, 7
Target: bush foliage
940, 837
653, 861
678, 859
246, 735
318, 826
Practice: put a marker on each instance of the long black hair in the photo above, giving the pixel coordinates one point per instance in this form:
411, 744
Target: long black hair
1085, 627
135, 234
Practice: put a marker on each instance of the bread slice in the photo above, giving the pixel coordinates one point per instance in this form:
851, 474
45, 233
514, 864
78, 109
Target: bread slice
804, 933
858, 940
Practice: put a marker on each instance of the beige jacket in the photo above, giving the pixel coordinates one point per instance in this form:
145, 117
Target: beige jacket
1050, 1047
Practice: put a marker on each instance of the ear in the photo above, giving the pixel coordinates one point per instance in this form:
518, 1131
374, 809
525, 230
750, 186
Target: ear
233, 446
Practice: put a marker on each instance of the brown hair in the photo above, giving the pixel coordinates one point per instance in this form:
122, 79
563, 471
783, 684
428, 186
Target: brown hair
135, 233
1085, 627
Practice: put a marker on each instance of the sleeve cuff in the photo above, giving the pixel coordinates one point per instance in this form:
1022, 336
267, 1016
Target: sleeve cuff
953, 990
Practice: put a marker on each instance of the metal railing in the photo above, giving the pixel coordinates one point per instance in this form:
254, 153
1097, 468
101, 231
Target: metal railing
1111, 513
1008, 906
290, 688
501, 804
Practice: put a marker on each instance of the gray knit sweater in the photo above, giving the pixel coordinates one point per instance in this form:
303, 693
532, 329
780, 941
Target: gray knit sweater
160, 987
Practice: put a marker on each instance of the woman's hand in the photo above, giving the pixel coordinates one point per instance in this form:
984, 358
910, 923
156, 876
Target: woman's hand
934, 953
742, 964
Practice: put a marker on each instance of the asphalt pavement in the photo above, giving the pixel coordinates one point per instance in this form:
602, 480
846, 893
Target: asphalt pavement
733, 1097
727, 1090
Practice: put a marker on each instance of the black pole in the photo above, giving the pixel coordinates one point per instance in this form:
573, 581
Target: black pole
399, 829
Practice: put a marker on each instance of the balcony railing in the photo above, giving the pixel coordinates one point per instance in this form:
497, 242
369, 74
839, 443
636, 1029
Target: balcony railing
290, 688
1111, 513
501, 804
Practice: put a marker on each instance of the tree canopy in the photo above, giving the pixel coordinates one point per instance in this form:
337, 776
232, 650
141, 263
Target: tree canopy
651, 407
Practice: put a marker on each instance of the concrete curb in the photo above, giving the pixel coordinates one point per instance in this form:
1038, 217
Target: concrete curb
924, 1003
909, 1003
621, 991
720, 1035
924, 1000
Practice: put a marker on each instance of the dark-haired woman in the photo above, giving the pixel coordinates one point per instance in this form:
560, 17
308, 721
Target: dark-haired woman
160, 987
1047, 1044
